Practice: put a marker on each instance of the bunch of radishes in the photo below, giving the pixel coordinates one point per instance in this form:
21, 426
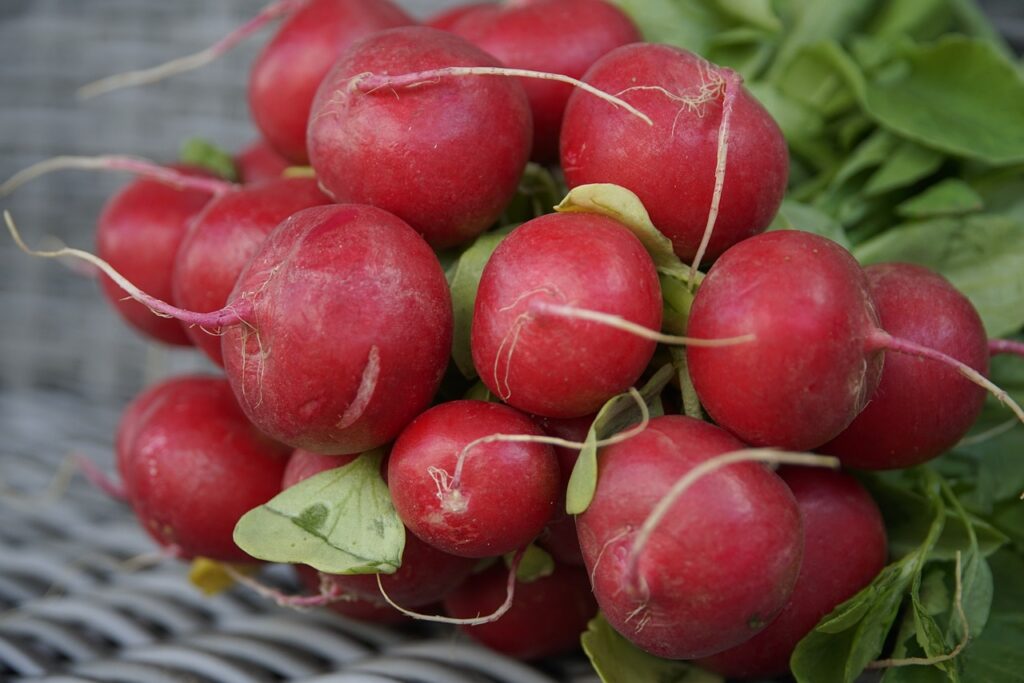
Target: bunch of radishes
323, 296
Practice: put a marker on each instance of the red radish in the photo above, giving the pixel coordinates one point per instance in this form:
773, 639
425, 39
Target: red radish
285, 76
426, 574
347, 605
564, 367
448, 18
718, 566
139, 233
810, 369
337, 333
818, 349
462, 488
259, 162
446, 156
844, 549
920, 408
559, 36
224, 237
352, 329
546, 618
560, 538
193, 465
676, 165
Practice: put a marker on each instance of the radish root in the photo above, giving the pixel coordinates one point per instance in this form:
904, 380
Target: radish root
731, 84
475, 621
229, 315
886, 342
369, 82
620, 323
367, 385
98, 478
329, 593
998, 346
115, 162
193, 61
699, 471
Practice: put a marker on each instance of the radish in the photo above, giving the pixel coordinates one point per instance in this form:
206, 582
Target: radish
546, 618
564, 367
718, 564
426, 574
818, 349
224, 237
446, 19
844, 549
285, 77
713, 159
560, 538
337, 333
192, 465
559, 36
258, 162
445, 156
920, 408
461, 483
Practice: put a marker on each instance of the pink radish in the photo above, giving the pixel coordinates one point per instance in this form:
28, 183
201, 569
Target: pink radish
192, 465
714, 158
259, 162
462, 486
719, 565
558, 36
564, 367
446, 155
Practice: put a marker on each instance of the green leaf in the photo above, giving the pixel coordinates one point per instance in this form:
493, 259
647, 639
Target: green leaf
794, 215
618, 413
819, 21
465, 280
205, 154
340, 521
688, 24
982, 255
536, 564
536, 195
951, 197
620, 204
909, 163
616, 660
996, 656
958, 95
757, 13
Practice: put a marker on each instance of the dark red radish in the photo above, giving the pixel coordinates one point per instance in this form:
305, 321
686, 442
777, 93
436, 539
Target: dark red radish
193, 464
810, 368
921, 408
673, 166
718, 567
557, 366
445, 156
844, 549
287, 73
817, 351
222, 239
347, 332
348, 605
461, 487
560, 538
139, 233
558, 36
426, 574
338, 331
259, 162
449, 17
546, 618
